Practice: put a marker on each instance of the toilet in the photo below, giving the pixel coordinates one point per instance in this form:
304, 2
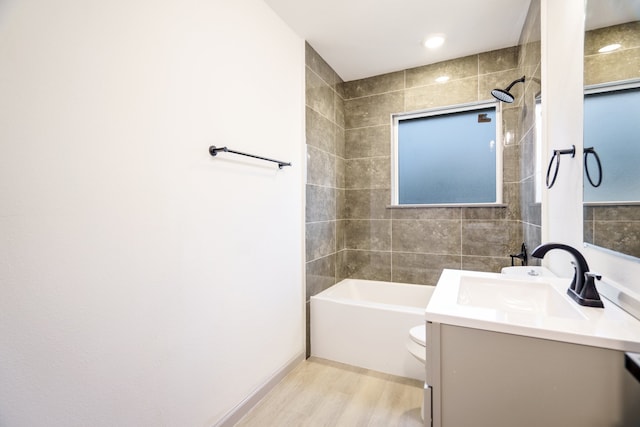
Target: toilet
417, 346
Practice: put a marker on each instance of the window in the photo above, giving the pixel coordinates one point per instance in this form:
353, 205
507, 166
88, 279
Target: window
450, 156
611, 127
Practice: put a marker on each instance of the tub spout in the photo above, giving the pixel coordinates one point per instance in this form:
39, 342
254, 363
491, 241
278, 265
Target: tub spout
522, 256
583, 288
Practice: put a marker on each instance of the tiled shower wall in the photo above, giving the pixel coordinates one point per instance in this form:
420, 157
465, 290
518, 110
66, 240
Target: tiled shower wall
325, 174
414, 244
526, 135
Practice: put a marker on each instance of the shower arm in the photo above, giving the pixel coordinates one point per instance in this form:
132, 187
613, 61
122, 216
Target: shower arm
520, 80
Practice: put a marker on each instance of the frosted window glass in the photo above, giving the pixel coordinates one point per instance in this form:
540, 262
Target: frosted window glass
448, 158
612, 127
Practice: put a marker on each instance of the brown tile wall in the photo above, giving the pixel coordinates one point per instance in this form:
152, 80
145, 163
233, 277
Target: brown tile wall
613, 227
414, 244
524, 113
325, 174
618, 65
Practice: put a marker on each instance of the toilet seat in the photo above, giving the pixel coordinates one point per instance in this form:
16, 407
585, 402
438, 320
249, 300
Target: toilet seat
419, 334
417, 344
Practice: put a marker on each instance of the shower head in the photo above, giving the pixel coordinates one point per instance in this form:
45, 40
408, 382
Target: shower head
503, 94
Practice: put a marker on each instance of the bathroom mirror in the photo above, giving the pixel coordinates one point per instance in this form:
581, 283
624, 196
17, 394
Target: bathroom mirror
611, 125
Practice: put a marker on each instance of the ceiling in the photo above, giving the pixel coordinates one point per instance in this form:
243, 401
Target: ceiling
603, 13
364, 38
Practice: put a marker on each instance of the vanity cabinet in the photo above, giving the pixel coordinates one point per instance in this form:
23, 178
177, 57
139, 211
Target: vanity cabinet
482, 378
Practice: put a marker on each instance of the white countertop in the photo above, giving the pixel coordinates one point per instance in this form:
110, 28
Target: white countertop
610, 327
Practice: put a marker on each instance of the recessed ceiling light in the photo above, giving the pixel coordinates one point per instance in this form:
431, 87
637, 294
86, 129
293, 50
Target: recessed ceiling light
435, 41
442, 79
609, 48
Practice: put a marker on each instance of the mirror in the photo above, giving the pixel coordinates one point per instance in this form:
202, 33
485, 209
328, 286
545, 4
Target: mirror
612, 125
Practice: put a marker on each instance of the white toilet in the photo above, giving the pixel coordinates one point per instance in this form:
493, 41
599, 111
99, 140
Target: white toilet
416, 344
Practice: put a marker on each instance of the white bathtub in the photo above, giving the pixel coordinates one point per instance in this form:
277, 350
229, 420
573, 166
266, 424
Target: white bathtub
366, 323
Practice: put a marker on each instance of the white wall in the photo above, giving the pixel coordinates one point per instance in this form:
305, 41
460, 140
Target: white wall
562, 87
143, 282
562, 91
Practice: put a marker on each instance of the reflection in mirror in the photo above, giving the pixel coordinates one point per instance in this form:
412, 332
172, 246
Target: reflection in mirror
612, 129
611, 125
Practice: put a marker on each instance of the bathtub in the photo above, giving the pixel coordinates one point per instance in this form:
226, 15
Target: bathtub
366, 323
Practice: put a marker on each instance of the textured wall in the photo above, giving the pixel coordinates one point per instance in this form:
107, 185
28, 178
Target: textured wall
414, 244
527, 133
621, 64
325, 174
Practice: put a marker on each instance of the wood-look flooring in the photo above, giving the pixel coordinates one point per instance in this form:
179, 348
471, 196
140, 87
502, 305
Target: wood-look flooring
323, 393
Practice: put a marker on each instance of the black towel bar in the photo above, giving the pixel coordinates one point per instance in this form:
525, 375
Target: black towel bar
213, 150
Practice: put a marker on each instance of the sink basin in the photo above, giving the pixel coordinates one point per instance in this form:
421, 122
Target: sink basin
510, 298
537, 307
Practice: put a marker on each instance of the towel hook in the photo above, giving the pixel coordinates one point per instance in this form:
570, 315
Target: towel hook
556, 156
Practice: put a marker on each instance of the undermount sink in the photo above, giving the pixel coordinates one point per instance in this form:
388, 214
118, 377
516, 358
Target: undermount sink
509, 298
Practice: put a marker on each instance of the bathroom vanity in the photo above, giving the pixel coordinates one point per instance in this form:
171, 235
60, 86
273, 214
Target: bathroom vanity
520, 352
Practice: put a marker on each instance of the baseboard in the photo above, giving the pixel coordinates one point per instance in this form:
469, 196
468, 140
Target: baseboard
234, 415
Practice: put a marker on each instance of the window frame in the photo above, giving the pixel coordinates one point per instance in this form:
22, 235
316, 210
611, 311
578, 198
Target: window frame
441, 111
605, 88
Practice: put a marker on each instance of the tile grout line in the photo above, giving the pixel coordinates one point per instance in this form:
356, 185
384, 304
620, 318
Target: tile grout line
391, 243
461, 239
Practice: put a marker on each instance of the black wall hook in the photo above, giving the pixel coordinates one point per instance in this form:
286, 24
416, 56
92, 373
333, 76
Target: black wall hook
556, 156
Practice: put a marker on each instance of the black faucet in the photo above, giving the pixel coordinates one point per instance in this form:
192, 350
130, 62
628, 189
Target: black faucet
583, 288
